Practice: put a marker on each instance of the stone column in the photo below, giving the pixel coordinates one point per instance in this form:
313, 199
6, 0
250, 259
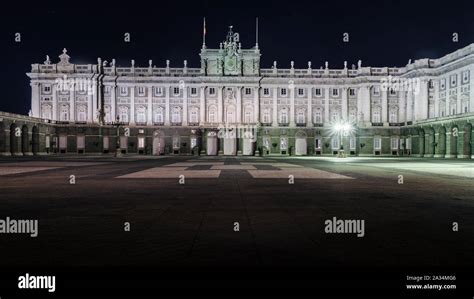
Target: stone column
292, 106
402, 106
185, 106
149, 118
409, 112
90, 115
256, 104
326, 120
167, 105
113, 101
436, 98
447, 110
219, 104
275, 107
35, 99
471, 93
132, 105
239, 105
384, 106
202, 110
309, 117
94, 101
72, 101
55, 103
345, 103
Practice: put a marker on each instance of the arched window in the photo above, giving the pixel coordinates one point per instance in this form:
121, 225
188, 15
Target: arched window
194, 116
141, 115
64, 114
266, 116
176, 115
212, 117
300, 117
230, 115
158, 116
376, 116
283, 116
123, 113
81, 113
248, 115
46, 111
335, 116
318, 117
393, 115
353, 115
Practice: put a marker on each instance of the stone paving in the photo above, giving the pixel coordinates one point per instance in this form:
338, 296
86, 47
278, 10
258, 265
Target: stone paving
406, 224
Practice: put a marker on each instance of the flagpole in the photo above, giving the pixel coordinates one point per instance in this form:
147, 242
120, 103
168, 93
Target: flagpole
204, 33
256, 33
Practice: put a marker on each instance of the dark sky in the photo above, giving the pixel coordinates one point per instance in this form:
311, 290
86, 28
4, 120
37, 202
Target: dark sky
382, 33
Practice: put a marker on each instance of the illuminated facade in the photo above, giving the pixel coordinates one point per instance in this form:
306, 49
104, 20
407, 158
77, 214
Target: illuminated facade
424, 108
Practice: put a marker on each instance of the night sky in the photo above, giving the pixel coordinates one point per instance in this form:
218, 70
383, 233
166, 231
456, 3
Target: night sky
383, 33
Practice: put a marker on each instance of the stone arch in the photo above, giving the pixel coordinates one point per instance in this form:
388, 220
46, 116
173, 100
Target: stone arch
25, 140
467, 141
158, 143
421, 143
441, 147
35, 140
301, 146
14, 139
452, 142
430, 142
3, 139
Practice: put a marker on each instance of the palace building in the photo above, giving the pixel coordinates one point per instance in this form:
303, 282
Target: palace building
232, 106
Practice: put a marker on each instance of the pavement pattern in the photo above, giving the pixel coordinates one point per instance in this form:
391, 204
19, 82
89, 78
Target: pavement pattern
280, 224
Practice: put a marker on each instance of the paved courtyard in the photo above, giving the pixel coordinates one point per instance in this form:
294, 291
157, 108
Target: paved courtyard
280, 224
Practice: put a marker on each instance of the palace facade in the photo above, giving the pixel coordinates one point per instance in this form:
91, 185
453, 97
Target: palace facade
232, 106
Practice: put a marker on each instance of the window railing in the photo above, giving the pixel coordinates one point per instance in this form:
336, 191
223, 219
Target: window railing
377, 124
283, 124
158, 123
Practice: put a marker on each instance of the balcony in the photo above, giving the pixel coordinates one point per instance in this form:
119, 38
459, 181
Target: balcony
301, 124
377, 124
396, 124
318, 125
266, 124
283, 124
177, 124
193, 124
158, 124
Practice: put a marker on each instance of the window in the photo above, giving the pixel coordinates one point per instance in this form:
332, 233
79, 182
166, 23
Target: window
47, 89
176, 116
123, 91
248, 116
266, 91
352, 143
123, 114
283, 116
212, 91
80, 142
283, 91
376, 91
393, 92
158, 116
193, 91
176, 142
212, 115
335, 92
335, 143
353, 115
300, 91
453, 80
141, 91
194, 117
377, 143
158, 91
248, 91
81, 113
394, 143
318, 119
393, 117
176, 90
352, 92
317, 143
465, 77
335, 116
141, 115
64, 114
317, 91
266, 116
300, 119
376, 116
141, 142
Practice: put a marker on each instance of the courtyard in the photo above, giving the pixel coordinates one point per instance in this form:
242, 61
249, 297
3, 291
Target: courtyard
183, 211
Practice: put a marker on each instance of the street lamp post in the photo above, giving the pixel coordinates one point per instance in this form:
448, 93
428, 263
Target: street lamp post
118, 152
